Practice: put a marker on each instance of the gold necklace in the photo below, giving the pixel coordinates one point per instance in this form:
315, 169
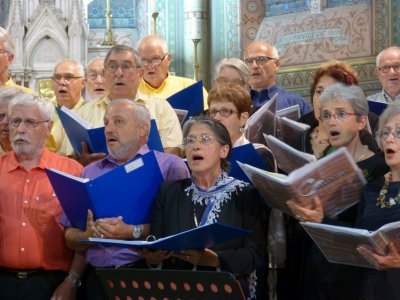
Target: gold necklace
381, 200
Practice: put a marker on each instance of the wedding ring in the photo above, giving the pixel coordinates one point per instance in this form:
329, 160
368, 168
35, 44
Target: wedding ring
102, 236
298, 217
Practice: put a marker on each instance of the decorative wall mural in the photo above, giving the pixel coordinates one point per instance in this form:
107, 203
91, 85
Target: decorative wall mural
339, 33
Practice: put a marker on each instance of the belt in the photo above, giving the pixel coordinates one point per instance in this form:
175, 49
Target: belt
20, 274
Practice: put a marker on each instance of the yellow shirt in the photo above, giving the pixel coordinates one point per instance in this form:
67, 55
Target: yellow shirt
171, 85
160, 110
56, 139
11, 83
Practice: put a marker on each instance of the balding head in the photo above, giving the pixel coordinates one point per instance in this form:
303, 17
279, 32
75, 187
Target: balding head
262, 59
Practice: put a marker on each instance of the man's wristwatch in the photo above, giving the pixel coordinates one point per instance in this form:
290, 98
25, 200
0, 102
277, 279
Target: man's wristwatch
76, 281
137, 232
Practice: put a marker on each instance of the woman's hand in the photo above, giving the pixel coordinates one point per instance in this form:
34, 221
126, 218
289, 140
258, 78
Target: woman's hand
314, 213
153, 257
391, 260
204, 257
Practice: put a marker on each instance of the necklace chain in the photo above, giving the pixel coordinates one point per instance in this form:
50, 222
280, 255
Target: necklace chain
381, 200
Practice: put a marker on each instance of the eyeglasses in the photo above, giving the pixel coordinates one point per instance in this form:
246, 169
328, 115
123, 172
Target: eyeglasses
202, 139
223, 112
339, 115
68, 78
3, 51
3, 116
93, 75
385, 133
125, 67
386, 69
29, 123
260, 60
154, 61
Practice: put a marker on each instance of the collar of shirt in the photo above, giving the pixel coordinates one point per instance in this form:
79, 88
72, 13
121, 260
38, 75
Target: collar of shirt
259, 98
154, 90
390, 99
109, 159
15, 164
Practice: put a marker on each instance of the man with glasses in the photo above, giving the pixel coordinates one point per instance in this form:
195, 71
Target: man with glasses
6, 58
157, 81
34, 260
122, 74
68, 84
262, 59
388, 72
95, 79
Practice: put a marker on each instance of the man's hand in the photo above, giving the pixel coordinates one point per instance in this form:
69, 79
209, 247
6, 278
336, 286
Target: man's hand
153, 257
314, 213
65, 291
91, 230
87, 157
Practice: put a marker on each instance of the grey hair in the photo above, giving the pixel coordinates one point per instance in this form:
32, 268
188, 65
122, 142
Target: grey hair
160, 40
274, 52
142, 115
78, 65
94, 59
123, 48
234, 63
45, 106
219, 130
391, 111
380, 54
8, 93
352, 94
5, 37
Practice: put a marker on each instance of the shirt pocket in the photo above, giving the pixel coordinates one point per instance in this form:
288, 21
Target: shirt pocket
46, 209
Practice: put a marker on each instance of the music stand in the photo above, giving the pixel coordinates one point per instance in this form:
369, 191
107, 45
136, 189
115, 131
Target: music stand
169, 284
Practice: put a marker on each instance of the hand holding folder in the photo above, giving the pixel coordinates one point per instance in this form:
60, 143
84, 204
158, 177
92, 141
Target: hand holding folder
197, 238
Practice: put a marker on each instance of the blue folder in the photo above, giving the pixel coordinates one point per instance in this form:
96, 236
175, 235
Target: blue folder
202, 237
190, 99
126, 191
376, 107
246, 154
154, 141
77, 133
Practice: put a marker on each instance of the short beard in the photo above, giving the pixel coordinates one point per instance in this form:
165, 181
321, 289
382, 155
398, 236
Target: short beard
25, 149
124, 151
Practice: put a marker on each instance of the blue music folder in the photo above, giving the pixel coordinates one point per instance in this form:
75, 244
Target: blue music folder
377, 107
127, 191
190, 99
201, 237
154, 140
246, 154
78, 130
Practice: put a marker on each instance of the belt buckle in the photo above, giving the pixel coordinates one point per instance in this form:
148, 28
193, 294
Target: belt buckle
22, 275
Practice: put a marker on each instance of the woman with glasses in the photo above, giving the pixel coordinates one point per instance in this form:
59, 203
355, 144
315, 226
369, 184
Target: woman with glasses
316, 141
343, 113
209, 196
231, 104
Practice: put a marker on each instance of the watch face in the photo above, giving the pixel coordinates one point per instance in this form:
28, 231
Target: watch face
136, 232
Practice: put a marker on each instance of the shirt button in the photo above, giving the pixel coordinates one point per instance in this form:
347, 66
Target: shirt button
27, 181
25, 201
22, 249
23, 224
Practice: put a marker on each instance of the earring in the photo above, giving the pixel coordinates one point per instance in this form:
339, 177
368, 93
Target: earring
241, 129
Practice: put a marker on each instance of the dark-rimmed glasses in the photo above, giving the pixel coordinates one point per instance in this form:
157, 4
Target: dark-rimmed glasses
29, 123
154, 61
260, 60
223, 112
386, 69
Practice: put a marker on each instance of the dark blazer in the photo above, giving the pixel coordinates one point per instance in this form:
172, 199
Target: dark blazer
173, 212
